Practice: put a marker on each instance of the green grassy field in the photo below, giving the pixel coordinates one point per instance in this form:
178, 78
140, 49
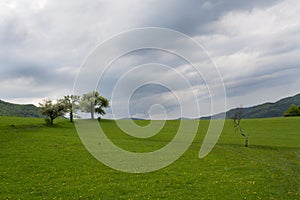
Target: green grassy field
40, 162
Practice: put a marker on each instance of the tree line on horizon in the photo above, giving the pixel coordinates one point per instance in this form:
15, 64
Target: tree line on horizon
292, 111
91, 102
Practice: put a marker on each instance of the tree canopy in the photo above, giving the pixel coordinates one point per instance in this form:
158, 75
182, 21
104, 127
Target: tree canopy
52, 110
71, 104
292, 111
93, 103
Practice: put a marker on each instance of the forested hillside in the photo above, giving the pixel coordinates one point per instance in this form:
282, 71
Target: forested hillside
265, 110
10, 109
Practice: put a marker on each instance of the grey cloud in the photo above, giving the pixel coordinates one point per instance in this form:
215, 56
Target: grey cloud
148, 95
285, 78
193, 16
45, 44
34, 82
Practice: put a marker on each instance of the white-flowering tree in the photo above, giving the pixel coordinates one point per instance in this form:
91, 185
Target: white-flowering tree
52, 110
71, 103
93, 103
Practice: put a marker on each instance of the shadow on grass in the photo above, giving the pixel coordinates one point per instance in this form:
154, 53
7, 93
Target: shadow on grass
258, 147
40, 125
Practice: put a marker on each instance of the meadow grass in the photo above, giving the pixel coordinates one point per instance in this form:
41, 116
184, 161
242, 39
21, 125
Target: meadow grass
42, 162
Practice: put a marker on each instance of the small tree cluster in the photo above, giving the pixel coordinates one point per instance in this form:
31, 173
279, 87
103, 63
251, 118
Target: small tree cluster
292, 111
91, 102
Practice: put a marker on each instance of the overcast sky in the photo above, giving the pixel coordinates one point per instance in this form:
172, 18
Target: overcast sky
254, 44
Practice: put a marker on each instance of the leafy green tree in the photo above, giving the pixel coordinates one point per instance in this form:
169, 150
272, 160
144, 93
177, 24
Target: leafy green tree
71, 104
93, 103
52, 110
292, 111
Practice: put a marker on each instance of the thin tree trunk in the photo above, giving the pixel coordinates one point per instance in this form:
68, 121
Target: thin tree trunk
246, 141
71, 116
244, 135
92, 110
51, 121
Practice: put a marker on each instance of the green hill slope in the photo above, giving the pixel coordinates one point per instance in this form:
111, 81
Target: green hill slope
265, 110
10, 109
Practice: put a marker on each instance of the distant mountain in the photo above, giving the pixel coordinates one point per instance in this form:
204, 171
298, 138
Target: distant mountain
17, 110
260, 111
263, 110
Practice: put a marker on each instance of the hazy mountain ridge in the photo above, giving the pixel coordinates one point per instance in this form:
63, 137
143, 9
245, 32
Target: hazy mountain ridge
18, 110
264, 110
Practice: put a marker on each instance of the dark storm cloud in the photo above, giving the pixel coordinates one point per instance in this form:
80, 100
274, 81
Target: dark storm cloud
148, 95
34, 81
281, 78
194, 17
41, 76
